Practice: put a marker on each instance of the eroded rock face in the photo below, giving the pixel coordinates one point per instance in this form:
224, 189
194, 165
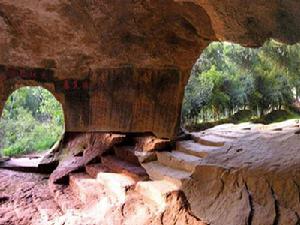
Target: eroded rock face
253, 180
81, 149
251, 23
122, 65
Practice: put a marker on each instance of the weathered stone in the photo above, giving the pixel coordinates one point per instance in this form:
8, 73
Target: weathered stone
145, 157
156, 192
95, 145
178, 160
127, 153
87, 189
136, 172
210, 139
158, 171
116, 184
22, 164
96, 66
151, 143
94, 169
196, 149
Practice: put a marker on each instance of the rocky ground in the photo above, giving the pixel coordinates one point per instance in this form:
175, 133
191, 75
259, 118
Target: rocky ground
238, 174
25, 199
230, 174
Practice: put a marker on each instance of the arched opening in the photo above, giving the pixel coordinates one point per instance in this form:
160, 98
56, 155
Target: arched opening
32, 122
242, 105
233, 84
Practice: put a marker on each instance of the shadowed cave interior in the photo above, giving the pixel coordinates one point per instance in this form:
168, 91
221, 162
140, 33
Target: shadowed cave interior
119, 69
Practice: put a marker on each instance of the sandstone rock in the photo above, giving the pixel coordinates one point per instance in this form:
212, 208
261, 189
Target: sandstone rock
65, 198
116, 184
97, 145
254, 185
136, 172
178, 160
151, 143
210, 139
156, 191
178, 211
145, 157
158, 171
94, 169
127, 153
196, 149
22, 164
88, 190
97, 70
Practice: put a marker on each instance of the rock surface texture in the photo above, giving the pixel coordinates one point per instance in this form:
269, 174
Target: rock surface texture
122, 65
99, 196
252, 179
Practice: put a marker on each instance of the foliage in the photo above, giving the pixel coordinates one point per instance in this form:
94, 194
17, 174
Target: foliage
228, 78
241, 116
32, 120
277, 116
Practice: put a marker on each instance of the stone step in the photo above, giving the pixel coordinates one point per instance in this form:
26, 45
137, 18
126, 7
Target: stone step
145, 157
157, 171
210, 139
127, 153
178, 160
86, 188
227, 134
138, 173
30, 165
196, 149
155, 192
116, 185
94, 169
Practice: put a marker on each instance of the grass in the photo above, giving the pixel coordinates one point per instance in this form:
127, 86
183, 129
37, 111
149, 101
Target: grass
246, 116
29, 146
277, 116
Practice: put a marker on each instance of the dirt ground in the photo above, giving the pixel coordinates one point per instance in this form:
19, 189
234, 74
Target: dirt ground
25, 199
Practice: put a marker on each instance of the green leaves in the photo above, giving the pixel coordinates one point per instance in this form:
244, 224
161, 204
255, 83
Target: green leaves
32, 120
228, 77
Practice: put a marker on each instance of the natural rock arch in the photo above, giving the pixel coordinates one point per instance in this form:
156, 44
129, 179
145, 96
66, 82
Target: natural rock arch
34, 117
135, 56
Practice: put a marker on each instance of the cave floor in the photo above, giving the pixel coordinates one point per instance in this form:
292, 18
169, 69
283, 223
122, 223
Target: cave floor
229, 174
25, 199
253, 146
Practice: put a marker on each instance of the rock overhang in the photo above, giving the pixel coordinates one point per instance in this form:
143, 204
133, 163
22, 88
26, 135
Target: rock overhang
122, 65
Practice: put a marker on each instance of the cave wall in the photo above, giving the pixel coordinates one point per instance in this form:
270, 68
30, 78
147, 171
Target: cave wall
122, 65
124, 99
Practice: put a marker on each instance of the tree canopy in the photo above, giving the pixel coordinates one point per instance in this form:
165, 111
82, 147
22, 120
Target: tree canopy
32, 120
228, 77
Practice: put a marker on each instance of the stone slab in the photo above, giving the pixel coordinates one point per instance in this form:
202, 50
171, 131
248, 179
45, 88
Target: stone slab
136, 172
179, 160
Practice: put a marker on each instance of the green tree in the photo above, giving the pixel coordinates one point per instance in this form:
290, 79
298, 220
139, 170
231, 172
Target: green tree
32, 120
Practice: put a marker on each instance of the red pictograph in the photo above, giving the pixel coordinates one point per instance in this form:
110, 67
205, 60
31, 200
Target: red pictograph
75, 84
66, 85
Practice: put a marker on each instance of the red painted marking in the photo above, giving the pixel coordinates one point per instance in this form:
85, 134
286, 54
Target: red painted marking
75, 84
66, 85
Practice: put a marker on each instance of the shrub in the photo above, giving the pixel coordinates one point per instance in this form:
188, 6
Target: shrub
32, 121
